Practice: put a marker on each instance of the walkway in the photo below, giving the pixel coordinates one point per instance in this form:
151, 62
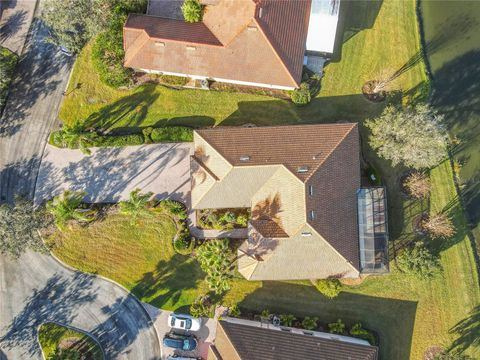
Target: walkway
16, 17
36, 289
110, 174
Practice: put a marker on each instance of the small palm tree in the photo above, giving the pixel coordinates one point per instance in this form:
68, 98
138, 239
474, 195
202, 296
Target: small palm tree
66, 207
74, 137
137, 205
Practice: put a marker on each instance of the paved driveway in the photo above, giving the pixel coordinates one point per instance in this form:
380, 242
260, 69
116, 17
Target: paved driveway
36, 289
110, 174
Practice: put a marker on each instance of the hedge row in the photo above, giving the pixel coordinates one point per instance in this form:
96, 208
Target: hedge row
172, 134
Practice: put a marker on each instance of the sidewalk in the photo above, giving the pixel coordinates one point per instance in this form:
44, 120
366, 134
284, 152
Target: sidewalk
16, 17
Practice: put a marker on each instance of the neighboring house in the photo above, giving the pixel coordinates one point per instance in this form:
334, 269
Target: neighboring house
248, 42
302, 185
238, 339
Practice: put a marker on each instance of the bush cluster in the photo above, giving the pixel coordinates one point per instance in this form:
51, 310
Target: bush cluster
330, 288
419, 261
172, 134
359, 332
184, 243
192, 11
220, 219
173, 80
302, 95
201, 307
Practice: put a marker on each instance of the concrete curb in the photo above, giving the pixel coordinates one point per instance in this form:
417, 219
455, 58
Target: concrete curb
71, 328
71, 268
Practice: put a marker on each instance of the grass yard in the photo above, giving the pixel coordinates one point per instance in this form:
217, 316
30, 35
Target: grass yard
381, 38
410, 315
52, 336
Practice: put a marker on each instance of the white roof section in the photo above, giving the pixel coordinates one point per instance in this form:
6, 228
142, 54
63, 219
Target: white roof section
322, 26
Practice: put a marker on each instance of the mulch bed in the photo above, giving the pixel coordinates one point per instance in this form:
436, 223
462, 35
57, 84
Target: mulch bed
368, 92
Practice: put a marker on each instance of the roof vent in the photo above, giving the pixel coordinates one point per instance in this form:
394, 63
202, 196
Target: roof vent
302, 169
244, 158
252, 28
260, 12
306, 233
159, 43
189, 47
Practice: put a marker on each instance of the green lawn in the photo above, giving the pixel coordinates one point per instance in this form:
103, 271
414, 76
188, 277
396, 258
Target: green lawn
410, 315
51, 336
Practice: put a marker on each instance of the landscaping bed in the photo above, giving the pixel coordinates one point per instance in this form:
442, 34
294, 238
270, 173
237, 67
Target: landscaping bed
223, 219
60, 342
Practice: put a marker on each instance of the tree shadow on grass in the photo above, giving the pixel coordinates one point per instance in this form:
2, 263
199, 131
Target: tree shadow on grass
392, 319
468, 333
169, 280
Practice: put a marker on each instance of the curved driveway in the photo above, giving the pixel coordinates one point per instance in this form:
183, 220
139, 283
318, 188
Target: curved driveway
36, 289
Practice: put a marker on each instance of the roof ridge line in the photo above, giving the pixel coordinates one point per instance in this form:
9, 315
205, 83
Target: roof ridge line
331, 151
143, 36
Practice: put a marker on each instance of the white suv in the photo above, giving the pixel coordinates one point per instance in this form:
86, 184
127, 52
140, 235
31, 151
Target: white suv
183, 322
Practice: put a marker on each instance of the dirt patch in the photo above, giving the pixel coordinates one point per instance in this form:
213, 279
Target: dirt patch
354, 282
432, 352
417, 224
368, 90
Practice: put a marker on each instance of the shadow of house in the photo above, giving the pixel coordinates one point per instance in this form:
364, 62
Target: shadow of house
392, 319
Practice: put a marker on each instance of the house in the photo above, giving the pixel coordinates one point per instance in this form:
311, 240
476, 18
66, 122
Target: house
302, 185
246, 42
238, 339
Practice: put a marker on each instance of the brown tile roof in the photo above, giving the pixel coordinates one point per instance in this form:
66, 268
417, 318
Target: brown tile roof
303, 147
227, 47
255, 343
269, 228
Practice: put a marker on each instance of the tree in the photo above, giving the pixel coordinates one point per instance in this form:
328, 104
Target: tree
287, 319
302, 95
337, 327
67, 206
439, 226
137, 205
201, 307
74, 137
73, 22
20, 227
359, 332
215, 258
65, 354
417, 185
329, 288
192, 11
418, 261
412, 136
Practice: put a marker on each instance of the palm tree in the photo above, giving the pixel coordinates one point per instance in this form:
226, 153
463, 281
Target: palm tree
137, 205
74, 137
66, 207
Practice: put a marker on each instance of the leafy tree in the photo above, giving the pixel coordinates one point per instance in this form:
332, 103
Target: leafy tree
439, 226
67, 207
302, 95
310, 323
451, 356
287, 319
359, 332
74, 137
201, 307
417, 185
73, 22
20, 226
215, 258
8, 61
412, 136
418, 261
137, 205
337, 327
329, 288
192, 11
65, 354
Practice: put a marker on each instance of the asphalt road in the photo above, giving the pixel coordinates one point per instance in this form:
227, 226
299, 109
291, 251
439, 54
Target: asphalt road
36, 289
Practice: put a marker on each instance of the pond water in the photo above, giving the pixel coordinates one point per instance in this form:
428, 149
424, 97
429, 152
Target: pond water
452, 36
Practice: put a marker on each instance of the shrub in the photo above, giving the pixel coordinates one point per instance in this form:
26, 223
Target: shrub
242, 220
172, 134
418, 185
215, 258
418, 261
287, 319
329, 288
234, 311
265, 313
301, 96
119, 140
8, 62
147, 132
310, 323
183, 244
192, 11
173, 80
201, 307
359, 332
439, 226
337, 327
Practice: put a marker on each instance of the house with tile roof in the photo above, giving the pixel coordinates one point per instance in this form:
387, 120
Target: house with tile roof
238, 339
248, 42
301, 184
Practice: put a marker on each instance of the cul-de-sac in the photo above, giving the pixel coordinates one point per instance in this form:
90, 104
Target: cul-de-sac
239, 179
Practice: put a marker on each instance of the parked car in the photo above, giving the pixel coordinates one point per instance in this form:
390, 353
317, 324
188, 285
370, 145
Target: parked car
184, 322
181, 342
178, 357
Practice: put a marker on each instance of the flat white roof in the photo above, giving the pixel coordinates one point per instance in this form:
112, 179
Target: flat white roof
322, 26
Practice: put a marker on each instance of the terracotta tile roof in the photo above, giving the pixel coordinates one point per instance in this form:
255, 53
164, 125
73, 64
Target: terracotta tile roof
254, 343
269, 228
301, 148
266, 35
